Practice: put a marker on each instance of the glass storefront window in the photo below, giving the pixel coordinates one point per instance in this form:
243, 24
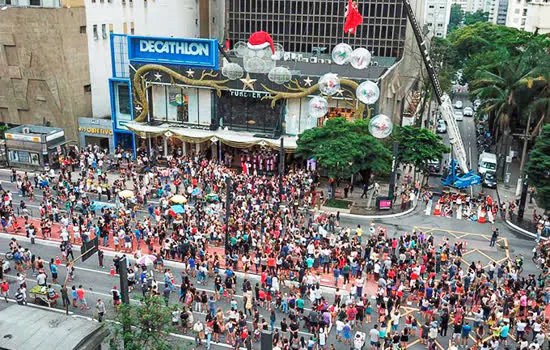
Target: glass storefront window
178, 104
123, 99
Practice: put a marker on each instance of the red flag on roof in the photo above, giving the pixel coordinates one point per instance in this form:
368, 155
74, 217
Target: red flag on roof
353, 18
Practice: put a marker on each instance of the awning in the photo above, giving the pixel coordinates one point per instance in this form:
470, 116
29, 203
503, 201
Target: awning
231, 138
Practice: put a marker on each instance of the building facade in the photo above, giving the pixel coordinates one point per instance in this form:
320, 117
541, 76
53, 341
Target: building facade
44, 68
516, 16
309, 26
499, 17
538, 17
437, 15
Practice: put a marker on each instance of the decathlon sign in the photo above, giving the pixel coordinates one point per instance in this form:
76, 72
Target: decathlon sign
189, 52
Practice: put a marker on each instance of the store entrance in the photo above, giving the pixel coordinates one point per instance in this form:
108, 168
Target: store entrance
102, 142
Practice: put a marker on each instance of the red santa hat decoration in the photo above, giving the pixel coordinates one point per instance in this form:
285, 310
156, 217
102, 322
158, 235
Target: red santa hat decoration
260, 40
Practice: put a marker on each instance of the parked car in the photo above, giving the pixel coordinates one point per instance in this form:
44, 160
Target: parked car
441, 127
468, 112
434, 166
459, 116
458, 104
490, 179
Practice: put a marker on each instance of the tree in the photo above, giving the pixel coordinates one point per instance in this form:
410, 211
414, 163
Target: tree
455, 20
418, 146
475, 17
445, 61
143, 326
345, 148
538, 168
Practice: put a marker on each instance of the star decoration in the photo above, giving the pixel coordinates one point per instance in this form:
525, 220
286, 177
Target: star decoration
340, 92
139, 108
158, 76
190, 73
307, 81
248, 83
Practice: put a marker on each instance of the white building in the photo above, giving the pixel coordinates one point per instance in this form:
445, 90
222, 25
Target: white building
475, 5
437, 15
500, 12
163, 18
538, 17
517, 14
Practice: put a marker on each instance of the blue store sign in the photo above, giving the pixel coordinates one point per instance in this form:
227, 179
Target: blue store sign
189, 52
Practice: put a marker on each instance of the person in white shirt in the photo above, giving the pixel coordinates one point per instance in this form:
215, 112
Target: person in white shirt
340, 329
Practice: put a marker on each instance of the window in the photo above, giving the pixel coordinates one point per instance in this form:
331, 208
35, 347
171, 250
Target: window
104, 31
132, 28
82, 29
524, 12
96, 35
87, 88
125, 28
36, 2
111, 30
123, 99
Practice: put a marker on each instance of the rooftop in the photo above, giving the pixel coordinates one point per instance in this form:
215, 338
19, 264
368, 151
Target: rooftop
35, 130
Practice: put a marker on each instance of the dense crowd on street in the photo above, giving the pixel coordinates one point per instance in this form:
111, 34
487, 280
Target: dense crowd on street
484, 306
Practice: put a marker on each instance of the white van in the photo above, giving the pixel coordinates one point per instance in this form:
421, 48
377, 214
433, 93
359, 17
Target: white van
487, 162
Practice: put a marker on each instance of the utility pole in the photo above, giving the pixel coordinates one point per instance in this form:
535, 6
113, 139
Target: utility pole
123, 277
281, 169
393, 175
227, 213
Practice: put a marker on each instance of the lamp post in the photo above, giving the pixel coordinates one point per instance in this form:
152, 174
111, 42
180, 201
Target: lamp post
281, 168
227, 213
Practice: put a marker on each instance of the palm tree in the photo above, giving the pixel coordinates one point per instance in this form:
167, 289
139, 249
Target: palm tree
500, 94
538, 82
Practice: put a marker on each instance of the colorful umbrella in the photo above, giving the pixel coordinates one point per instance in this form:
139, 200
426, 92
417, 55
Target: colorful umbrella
178, 209
178, 198
126, 194
147, 260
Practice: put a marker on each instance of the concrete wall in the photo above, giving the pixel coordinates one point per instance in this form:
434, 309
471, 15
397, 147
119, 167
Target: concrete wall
44, 67
150, 18
538, 17
437, 16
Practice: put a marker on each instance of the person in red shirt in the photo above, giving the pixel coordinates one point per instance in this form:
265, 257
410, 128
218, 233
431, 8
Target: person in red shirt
4, 289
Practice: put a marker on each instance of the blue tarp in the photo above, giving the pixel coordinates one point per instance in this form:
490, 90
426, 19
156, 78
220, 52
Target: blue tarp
178, 209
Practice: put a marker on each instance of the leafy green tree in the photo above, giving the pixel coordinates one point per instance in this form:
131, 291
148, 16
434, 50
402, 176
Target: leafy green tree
345, 148
538, 168
455, 20
418, 146
475, 17
445, 61
143, 326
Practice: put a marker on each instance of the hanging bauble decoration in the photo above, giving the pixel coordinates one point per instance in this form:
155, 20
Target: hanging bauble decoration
255, 65
279, 75
368, 92
279, 51
232, 71
380, 126
341, 53
240, 49
318, 107
360, 58
329, 84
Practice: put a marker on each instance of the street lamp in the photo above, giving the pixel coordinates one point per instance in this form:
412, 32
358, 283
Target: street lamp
281, 169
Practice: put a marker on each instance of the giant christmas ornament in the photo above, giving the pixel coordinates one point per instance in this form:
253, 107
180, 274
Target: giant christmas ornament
329, 84
368, 92
318, 107
260, 53
279, 51
279, 75
360, 58
232, 71
380, 126
341, 53
240, 49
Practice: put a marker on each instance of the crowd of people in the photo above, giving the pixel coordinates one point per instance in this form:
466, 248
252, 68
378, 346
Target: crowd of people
270, 232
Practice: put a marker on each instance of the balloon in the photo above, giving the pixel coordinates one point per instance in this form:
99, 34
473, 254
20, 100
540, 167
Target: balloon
279, 51
368, 92
329, 84
232, 71
380, 126
360, 58
318, 107
279, 75
341, 53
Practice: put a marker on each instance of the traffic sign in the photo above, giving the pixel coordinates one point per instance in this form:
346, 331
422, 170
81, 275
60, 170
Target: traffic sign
88, 249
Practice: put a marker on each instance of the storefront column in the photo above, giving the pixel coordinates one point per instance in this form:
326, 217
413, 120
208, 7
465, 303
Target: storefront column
184, 148
197, 148
149, 143
214, 150
165, 146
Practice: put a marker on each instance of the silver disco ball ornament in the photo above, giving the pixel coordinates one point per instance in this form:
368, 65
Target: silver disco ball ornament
368, 92
279, 75
318, 107
240, 49
279, 51
329, 84
341, 53
360, 58
255, 65
232, 71
380, 126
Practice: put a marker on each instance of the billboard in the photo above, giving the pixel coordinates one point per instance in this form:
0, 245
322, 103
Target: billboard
200, 53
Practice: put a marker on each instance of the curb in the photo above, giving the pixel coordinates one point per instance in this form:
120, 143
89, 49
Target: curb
357, 216
522, 231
